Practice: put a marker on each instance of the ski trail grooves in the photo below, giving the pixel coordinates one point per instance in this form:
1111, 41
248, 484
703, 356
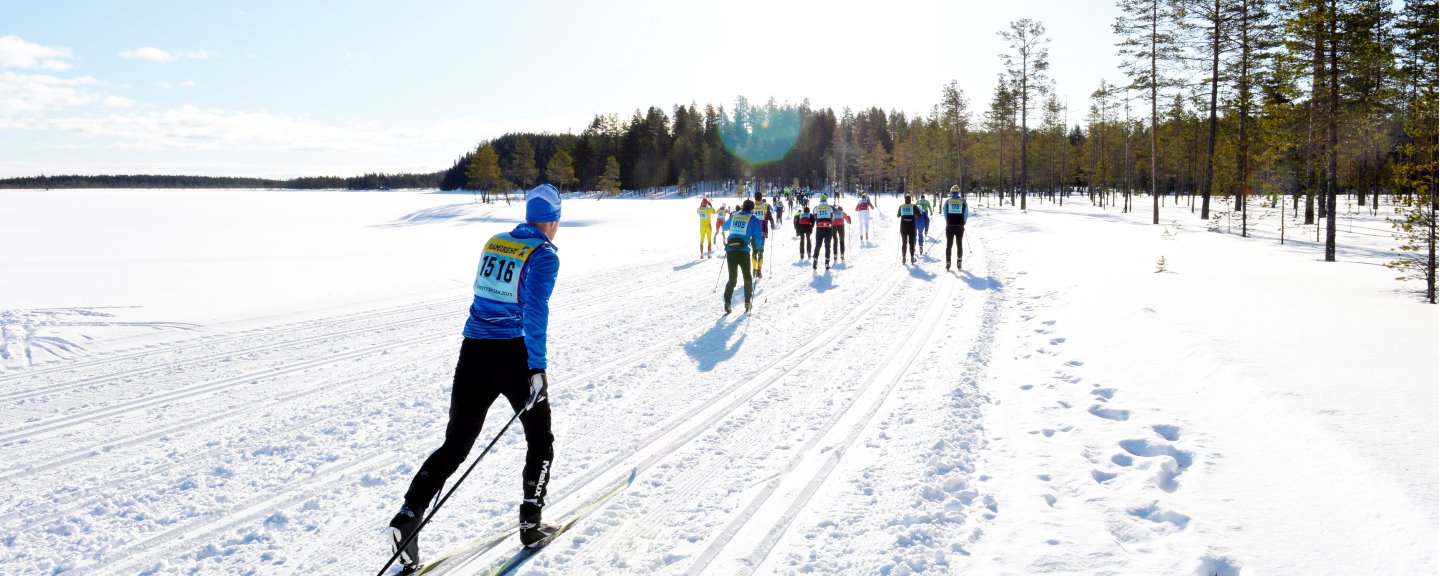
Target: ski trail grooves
813, 465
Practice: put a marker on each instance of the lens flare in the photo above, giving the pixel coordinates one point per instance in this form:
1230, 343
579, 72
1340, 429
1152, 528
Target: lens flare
764, 140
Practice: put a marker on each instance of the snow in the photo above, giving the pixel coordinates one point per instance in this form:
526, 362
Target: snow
234, 382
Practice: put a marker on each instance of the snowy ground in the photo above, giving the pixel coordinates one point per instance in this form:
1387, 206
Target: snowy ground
243, 382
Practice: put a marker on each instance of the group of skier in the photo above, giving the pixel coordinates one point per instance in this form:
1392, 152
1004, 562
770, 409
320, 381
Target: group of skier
822, 229
503, 352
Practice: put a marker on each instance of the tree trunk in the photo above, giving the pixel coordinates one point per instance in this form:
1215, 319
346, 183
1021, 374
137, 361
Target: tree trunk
1154, 115
1214, 123
1333, 145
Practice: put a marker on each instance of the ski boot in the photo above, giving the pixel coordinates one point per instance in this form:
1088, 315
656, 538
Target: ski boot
532, 530
401, 527
747, 308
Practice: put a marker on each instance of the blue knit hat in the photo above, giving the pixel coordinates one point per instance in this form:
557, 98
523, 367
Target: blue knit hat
542, 204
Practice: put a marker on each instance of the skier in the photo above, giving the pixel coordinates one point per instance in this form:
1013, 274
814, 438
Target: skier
720, 216
907, 229
957, 211
862, 210
824, 223
503, 354
804, 226
742, 233
839, 220
922, 226
763, 215
706, 211
779, 212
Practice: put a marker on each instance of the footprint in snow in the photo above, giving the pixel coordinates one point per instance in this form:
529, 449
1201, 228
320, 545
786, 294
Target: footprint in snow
1166, 520
1167, 431
1104, 393
1115, 414
1057, 341
1026, 386
1048, 322
1076, 363
1174, 461
1122, 460
1101, 476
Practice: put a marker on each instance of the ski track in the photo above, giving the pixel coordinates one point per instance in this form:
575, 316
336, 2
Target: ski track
730, 461
141, 477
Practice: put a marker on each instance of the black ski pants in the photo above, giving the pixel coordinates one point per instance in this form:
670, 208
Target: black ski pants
487, 370
907, 239
822, 238
740, 260
840, 240
955, 235
805, 243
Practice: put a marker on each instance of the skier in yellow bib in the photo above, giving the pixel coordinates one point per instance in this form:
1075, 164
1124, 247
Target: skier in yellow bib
766, 218
707, 241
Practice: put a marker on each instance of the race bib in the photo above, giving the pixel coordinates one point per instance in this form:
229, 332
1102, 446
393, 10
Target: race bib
907, 210
954, 207
823, 212
498, 277
760, 212
704, 213
738, 224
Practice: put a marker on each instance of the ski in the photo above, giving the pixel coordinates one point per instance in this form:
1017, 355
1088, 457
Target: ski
513, 563
470, 549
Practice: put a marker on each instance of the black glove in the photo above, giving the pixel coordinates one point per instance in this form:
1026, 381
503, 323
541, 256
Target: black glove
538, 384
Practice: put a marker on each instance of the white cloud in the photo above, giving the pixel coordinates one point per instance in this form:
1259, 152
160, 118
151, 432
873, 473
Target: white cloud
153, 54
118, 102
17, 53
37, 93
188, 84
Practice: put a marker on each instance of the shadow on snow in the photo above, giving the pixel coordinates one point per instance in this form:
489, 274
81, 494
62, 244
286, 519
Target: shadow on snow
715, 345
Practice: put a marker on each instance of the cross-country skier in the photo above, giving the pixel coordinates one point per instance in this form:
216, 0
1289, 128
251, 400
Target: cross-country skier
907, 229
766, 218
922, 226
503, 354
957, 211
824, 223
706, 211
741, 234
862, 211
840, 219
720, 216
804, 226
779, 213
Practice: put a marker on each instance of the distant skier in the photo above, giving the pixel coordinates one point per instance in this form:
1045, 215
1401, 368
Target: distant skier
706, 211
720, 216
839, 219
824, 231
741, 234
503, 354
862, 211
766, 218
779, 213
922, 227
907, 229
804, 227
957, 212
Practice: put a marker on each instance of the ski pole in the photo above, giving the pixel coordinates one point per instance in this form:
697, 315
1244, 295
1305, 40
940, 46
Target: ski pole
717, 275
407, 541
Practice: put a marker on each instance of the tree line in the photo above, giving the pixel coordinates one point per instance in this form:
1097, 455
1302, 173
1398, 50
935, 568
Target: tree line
373, 181
1224, 104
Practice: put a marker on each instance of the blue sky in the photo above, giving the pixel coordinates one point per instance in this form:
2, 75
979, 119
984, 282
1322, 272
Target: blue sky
280, 89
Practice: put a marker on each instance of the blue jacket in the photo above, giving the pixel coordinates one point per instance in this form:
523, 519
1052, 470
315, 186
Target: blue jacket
738, 240
494, 316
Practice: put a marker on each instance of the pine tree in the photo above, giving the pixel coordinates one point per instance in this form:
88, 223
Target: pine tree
522, 164
483, 173
1148, 32
1417, 172
610, 180
560, 170
1026, 64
